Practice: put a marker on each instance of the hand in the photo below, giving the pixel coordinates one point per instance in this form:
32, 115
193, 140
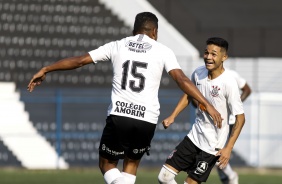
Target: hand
167, 122
36, 80
215, 115
224, 158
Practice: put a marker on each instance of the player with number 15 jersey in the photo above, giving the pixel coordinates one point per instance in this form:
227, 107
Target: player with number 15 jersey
138, 62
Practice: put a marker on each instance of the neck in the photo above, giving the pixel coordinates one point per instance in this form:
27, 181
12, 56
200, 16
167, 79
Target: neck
215, 73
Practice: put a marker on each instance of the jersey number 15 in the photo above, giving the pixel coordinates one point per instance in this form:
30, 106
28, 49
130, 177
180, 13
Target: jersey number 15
135, 74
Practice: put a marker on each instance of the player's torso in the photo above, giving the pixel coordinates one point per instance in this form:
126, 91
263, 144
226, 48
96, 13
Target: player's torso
137, 70
213, 90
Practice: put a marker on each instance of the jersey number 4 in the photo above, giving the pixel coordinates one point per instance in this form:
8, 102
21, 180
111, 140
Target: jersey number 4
135, 74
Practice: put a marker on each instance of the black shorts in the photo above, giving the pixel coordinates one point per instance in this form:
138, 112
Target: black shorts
123, 136
189, 158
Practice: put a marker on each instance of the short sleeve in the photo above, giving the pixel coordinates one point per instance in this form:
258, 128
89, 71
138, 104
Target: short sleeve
103, 53
233, 97
170, 60
241, 82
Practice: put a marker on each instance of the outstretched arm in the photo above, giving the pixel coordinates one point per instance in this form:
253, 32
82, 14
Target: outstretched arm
186, 85
182, 104
64, 64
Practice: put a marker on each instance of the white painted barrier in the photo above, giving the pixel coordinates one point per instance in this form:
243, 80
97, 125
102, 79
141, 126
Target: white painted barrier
20, 136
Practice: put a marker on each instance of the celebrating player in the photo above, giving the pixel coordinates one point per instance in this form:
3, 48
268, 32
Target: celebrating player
205, 144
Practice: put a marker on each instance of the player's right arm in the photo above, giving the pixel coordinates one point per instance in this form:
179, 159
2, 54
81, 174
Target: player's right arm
182, 104
190, 89
64, 64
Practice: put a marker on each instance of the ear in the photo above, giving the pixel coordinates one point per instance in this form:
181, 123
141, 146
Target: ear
224, 57
155, 34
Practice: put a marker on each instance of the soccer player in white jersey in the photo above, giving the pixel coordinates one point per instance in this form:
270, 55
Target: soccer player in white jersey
228, 175
205, 144
138, 62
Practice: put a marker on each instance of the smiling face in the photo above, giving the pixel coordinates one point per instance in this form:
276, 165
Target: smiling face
214, 56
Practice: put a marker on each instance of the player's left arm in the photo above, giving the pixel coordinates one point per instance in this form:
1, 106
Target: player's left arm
242, 84
235, 105
225, 153
246, 91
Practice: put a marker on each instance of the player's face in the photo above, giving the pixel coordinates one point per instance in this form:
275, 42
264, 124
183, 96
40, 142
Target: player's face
214, 57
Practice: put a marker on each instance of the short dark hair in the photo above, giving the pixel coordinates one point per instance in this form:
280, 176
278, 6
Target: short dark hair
218, 42
142, 18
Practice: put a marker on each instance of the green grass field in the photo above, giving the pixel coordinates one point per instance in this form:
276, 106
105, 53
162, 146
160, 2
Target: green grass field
144, 176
